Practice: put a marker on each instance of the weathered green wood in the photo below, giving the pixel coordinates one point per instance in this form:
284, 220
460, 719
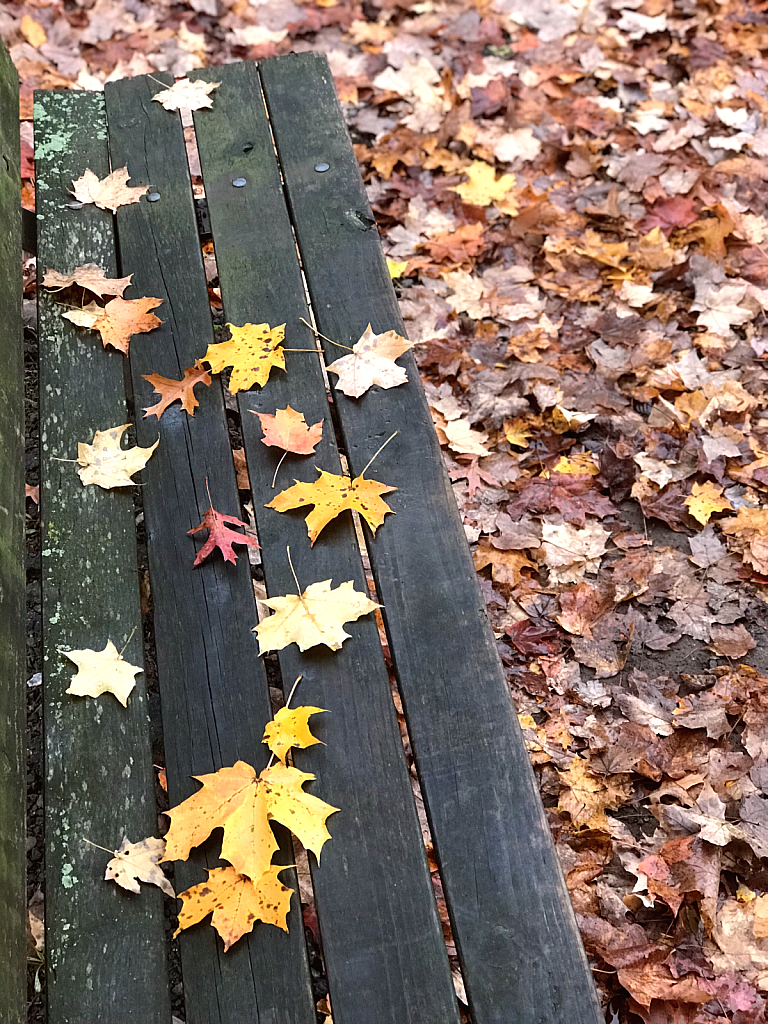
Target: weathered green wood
12, 586
514, 926
382, 940
105, 946
213, 687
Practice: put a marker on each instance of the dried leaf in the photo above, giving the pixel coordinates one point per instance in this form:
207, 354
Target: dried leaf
221, 535
287, 429
102, 672
372, 361
108, 193
187, 95
108, 465
332, 494
290, 728
243, 804
482, 187
118, 320
171, 390
315, 617
252, 351
236, 902
139, 862
87, 276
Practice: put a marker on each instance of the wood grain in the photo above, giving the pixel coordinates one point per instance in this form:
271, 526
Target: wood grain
514, 927
213, 687
12, 583
105, 947
383, 945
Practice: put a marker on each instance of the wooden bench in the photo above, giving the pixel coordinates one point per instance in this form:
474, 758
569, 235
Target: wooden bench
275, 212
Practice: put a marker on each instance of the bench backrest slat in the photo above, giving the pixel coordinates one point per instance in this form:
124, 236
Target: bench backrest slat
215, 699
382, 940
514, 927
12, 588
105, 947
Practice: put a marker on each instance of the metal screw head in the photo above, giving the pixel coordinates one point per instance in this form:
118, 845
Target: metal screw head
321, 167
152, 197
74, 206
238, 182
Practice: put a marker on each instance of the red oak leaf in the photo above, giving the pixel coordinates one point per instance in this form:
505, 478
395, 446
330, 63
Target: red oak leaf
221, 536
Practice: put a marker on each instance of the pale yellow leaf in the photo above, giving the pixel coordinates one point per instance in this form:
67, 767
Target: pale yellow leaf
102, 672
315, 617
107, 464
138, 862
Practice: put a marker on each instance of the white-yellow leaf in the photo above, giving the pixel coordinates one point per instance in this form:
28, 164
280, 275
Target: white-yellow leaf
102, 672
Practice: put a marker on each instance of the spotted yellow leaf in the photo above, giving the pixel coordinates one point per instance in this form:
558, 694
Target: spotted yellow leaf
252, 351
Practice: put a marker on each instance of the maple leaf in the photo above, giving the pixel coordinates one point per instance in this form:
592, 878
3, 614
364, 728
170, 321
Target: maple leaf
749, 531
108, 193
102, 672
372, 361
316, 616
587, 796
457, 246
108, 465
139, 862
87, 276
331, 494
705, 499
461, 438
290, 728
252, 351
171, 390
482, 188
221, 535
236, 902
118, 320
187, 95
287, 429
242, 804
517, 432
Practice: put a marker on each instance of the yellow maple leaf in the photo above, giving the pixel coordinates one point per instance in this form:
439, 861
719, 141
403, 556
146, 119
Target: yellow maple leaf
236, 902
331, 494
118, 320
88, 276
315, 617
580, 464
139, 862
482, 187
102, 672
252, 351
610, 254
242, 803
107, 464
187, 95
372, 361
33, 31
108, 193
517, 432
705, 499
290, 728
587, 796
396, 268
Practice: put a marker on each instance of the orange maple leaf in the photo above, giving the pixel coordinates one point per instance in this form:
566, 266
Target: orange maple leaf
236, 902
331, 494
243, 803
221, 535
171, 390
287, 429
118, 320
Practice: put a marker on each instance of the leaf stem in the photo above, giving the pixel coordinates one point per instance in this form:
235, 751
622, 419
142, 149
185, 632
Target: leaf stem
293, 689
128, 640
97, 846
379, 452
319, 335
277, 468
290, 562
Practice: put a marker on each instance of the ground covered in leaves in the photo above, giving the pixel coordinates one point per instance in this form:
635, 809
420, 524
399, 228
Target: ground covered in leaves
572, 198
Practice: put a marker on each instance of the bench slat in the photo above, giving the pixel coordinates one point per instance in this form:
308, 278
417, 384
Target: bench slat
214, 692
514, 926
105, 946
12, 584
382, 940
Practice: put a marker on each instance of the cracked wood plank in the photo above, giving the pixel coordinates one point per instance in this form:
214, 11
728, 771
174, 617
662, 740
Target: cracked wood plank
98, 764
382, 939
213, 686
12, 584
513, 923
